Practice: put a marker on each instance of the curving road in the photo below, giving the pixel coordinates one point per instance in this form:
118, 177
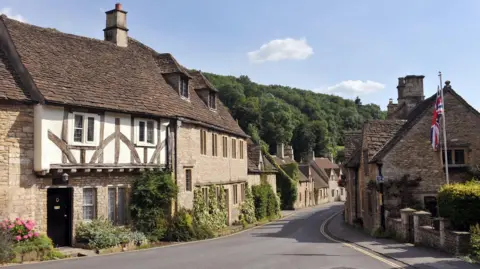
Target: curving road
293, 242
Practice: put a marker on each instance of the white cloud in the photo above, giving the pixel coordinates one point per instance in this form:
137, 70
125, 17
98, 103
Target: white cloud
281, 49
355, 87
8, 11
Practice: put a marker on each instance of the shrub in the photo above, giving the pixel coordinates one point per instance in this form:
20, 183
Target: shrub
181, 227
475, 240
21, 230
152, 197
101, 234
247, 209
6, 246
460, 203
265, 200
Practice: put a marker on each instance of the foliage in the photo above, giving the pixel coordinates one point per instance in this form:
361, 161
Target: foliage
461, 204
342, 182
210, 211
402, 189
372, 185
475, 240
6, 246
151, 200
181, 227
303, 118
39, 244
247, 209
265, 200
101, 234
21, 230
382, 233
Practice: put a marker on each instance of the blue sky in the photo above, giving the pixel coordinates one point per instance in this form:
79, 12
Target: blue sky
344, 47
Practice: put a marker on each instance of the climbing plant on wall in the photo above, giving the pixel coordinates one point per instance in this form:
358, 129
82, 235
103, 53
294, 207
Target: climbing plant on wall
211, 210
247, 209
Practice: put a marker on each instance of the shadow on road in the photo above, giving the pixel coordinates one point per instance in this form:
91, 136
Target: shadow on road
304, 227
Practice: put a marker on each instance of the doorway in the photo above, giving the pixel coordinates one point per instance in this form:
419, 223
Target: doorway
59, 216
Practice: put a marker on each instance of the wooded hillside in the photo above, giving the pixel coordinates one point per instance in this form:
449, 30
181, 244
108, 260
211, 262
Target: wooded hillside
302, 118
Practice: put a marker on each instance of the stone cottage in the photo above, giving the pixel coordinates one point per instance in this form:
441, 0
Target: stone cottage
333, 171
80, 118
399, 148
319, 178
259, 167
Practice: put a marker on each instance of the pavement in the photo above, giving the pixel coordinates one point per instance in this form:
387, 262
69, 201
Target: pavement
300, 240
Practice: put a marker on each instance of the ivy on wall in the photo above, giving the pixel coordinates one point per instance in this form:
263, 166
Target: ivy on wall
247, 209
210, 211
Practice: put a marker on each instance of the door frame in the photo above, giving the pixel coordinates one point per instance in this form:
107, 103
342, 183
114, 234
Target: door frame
69, 233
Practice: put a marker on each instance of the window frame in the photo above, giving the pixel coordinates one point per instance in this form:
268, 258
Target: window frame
241, 149
85, 127
212, 105
452, 152
234, 148
188, 185
225, 146
183, 81
117, 220
93, 205
214, 144
235, 194
203, 142
137, 132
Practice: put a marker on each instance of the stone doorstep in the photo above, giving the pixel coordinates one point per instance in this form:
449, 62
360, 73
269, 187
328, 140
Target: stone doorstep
76, 252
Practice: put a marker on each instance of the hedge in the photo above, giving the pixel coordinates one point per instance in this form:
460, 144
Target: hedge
460, 203
265, 200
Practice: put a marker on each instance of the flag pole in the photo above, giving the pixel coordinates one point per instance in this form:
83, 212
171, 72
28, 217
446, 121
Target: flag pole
444, 130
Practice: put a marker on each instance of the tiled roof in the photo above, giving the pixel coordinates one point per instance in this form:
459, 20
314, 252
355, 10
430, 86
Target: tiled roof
201, 81
319, 176
325, 163
303, 176
417, 113
377, 132
253, 154
354, 161
10, 88
87, 72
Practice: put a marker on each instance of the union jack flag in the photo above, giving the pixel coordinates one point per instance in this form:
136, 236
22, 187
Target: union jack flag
437, 114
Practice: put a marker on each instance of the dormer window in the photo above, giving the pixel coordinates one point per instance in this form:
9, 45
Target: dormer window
212, 100
184, 87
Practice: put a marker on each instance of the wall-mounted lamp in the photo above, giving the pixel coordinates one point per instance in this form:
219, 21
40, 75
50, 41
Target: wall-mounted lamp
65, 177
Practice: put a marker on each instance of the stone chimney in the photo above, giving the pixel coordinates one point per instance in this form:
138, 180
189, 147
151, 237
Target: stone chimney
280, 151
116, 28
391, 108
410, 90
289, 151
311, 155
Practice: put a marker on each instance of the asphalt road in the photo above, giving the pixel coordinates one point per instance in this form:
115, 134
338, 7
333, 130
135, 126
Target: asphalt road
294, 242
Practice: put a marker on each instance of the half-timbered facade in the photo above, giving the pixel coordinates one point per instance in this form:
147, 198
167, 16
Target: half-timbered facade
80, 118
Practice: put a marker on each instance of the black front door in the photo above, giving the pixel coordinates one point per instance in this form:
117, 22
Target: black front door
59, 212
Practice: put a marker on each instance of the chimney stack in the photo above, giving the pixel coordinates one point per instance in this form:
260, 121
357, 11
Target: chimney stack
116, 27
311, 155
280, 151
289, 151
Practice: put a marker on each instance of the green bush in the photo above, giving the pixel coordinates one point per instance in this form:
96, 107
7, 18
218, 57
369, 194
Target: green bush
101, 234
152, 197
475, 240
460, 203
266, 202
212, 214
6, 246
181, 227
247, 209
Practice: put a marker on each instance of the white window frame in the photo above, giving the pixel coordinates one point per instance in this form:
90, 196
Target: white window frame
96, 129
137, 132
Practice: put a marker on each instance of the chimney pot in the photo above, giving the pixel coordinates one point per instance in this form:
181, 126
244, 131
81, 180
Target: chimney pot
118, 6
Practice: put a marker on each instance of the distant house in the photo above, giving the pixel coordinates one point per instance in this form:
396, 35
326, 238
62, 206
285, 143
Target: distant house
259, 168
333, 171
392, 149
284, 155
320, 180
80, 118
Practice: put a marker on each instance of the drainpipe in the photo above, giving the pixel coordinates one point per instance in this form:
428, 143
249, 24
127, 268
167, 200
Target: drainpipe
382, 206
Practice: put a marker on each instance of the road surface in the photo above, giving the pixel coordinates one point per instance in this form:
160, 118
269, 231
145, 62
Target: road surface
293, 242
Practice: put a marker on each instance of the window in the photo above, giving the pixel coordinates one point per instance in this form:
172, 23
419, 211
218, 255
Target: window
211, 100
454, 156
241, 149
184, 87
89, 203
203, 142
214, 145
117, 205
205, 194
235, 194
333, 193
234, 148
85, 127
225, 147
242, 192
300, 196
146, 131
341, 191
188, 179
218, 193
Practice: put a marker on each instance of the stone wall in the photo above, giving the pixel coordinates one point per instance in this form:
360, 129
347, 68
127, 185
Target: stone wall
305, 195
416, 227
255, 179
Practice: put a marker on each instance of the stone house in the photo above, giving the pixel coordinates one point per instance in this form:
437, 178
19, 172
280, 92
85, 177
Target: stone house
333, 171
400, 147
259, 167
284, 155
80, 118
319, 177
